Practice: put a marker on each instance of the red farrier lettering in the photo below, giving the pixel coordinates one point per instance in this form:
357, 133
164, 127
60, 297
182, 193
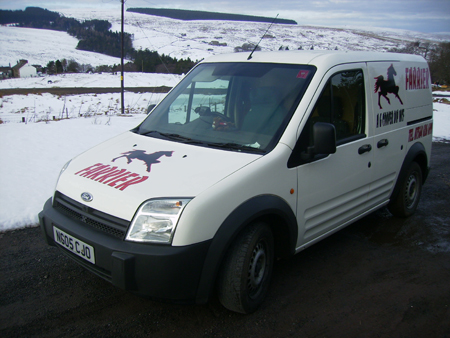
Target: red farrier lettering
91, 168
137, 180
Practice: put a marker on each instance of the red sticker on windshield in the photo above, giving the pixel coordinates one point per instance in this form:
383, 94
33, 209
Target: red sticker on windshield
302, 74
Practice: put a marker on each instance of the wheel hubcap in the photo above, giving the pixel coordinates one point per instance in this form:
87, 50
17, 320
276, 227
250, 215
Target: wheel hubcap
257, 269
411, 191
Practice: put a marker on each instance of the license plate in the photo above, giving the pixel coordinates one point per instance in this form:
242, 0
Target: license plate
74, 245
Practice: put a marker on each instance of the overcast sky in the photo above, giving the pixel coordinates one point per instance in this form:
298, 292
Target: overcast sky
418, 15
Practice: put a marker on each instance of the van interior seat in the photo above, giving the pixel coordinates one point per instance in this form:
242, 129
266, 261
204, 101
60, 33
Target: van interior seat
322, 113
263, 111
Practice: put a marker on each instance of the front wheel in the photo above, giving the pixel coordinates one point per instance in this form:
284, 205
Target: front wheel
405, 204
246, 271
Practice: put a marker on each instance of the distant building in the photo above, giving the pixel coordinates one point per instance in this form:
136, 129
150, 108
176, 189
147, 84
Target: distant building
23, 69
5, 72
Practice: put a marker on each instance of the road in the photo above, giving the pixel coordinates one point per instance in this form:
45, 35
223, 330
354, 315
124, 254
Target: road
380, 277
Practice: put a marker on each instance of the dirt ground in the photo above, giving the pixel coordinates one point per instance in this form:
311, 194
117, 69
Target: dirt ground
380, 277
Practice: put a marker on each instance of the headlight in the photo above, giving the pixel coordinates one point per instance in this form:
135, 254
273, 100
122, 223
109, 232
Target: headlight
155, 221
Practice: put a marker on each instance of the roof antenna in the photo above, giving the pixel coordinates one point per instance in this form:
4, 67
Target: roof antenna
250, 56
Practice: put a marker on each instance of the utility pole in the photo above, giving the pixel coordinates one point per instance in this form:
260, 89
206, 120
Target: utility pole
121, 61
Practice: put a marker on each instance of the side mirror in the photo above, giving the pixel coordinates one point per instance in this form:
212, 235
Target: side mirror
324, 136
324, 144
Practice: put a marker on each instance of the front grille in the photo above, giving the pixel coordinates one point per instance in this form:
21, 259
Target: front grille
111, 225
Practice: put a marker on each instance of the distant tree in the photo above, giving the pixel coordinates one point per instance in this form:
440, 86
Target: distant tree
181, 14
86, 68
31, 15
151, 62
64, 65
103, 69
51, 69
73, 67
59, 68
417, 48
439, 62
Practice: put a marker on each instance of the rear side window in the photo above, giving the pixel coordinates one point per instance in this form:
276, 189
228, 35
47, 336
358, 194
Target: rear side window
341, 103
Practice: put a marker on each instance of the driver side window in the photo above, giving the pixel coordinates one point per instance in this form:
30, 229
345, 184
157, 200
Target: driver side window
341, 103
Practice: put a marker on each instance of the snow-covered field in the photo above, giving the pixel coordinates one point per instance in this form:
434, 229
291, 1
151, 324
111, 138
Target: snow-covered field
92, 81
441, 125
36, 107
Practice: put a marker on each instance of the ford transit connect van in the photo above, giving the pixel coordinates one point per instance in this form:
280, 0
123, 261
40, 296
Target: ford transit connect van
244, 161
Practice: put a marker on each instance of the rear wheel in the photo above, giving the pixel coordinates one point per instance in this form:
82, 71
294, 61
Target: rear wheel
405, 204
245, 275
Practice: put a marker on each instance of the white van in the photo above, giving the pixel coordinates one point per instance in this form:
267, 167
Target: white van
245, 160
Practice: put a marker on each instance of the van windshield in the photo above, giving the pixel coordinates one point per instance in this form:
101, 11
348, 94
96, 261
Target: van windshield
234, 106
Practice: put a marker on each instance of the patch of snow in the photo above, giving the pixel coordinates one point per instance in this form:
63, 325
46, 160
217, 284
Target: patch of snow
39, 46
105, 80
34, 153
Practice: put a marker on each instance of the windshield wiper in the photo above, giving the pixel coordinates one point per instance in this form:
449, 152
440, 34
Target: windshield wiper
173, 137
157, 133
236, 146
187, 140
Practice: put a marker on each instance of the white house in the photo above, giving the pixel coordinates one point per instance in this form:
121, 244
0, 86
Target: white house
24, 69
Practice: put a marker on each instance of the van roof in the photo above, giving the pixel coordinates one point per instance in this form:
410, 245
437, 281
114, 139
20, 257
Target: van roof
319, 58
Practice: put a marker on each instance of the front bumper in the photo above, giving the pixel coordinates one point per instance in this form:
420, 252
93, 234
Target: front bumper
157, 271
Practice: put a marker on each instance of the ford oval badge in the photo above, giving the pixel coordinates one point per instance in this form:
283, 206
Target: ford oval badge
87, 197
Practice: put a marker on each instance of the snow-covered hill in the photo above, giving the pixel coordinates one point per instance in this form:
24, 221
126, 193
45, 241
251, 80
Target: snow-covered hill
193, 39
39, 46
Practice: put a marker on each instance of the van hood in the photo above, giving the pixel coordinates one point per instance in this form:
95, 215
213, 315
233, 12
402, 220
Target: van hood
120, 174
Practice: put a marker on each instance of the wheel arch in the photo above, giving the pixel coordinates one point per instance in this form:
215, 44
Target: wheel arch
418, 154
267, 208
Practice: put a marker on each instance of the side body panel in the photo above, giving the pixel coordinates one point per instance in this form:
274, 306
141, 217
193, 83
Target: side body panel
402, 115
334, 190
387, 102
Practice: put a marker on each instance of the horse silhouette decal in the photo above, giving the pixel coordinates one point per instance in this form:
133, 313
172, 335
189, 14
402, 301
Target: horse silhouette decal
383, 87
141, 155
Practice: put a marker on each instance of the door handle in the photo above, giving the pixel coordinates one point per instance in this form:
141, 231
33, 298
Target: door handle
382, 143
364, 149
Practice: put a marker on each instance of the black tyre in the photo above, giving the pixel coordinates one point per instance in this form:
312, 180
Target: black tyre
405, 204
247, 269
